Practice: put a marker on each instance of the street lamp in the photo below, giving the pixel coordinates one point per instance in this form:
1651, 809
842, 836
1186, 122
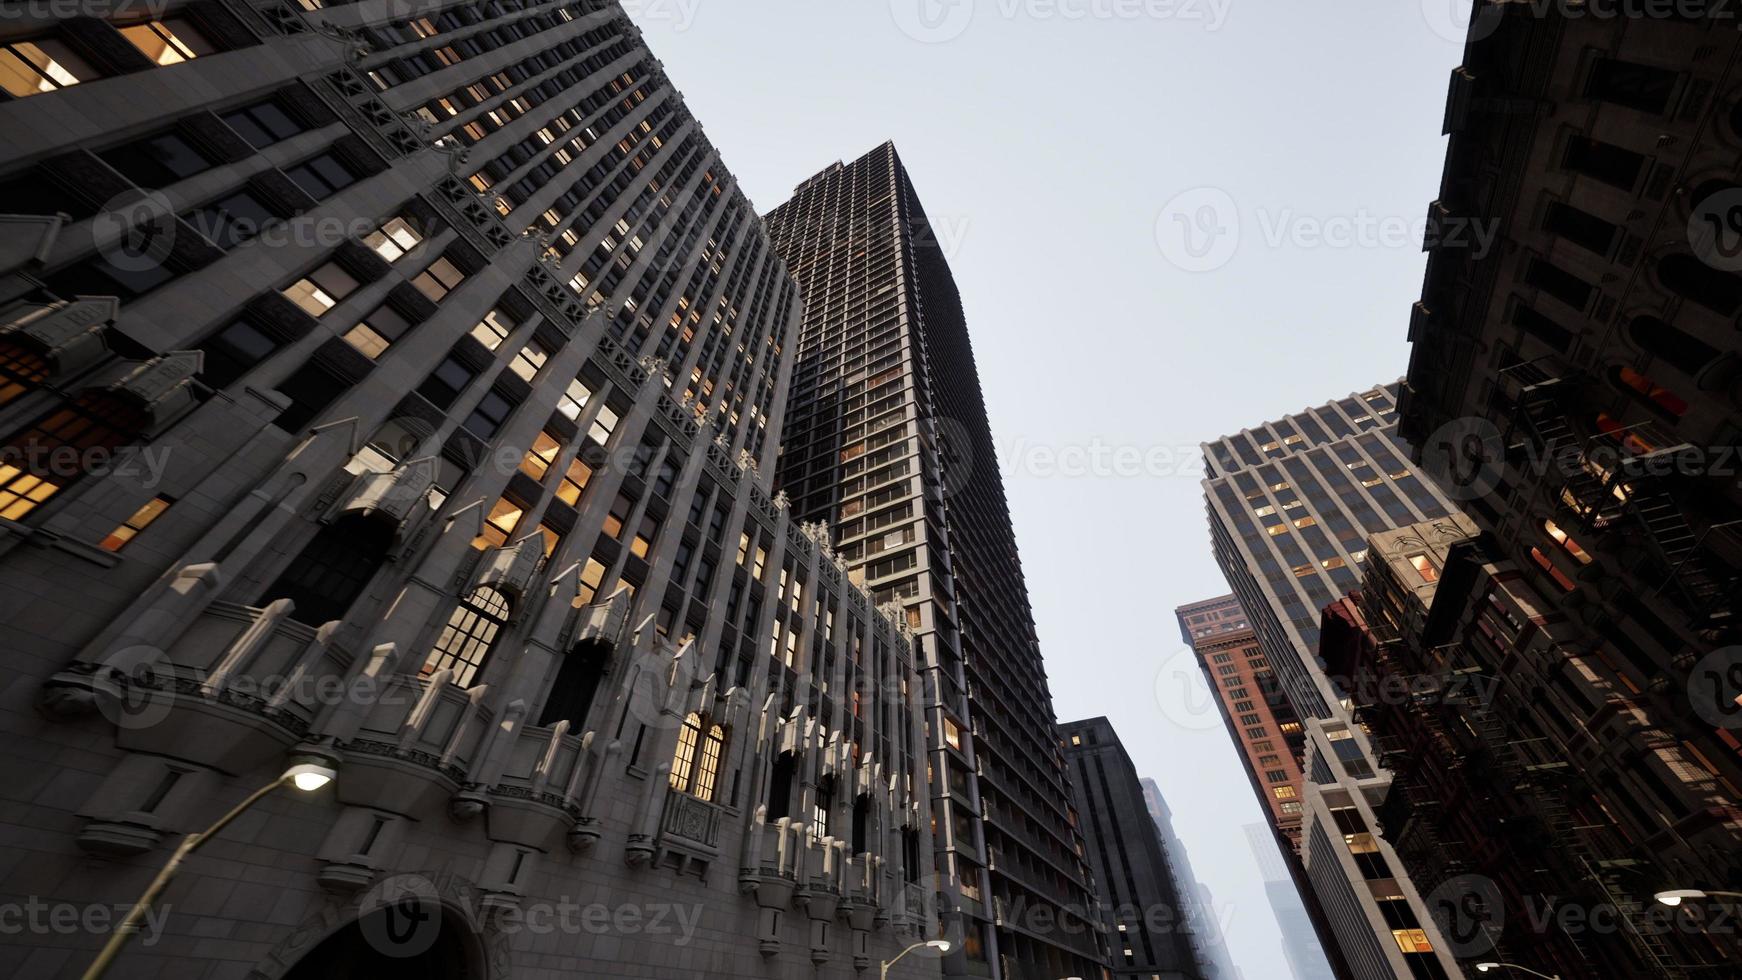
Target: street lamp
941, 945
1485, 967
307, 775
1675, 896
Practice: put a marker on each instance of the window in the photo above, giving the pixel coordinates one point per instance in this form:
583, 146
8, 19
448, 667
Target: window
1565, 541
377, 331
131, 527
22, 370
470, 632
493, 329
543, 453
528, 362
311, 389
1412, 940
1649, 393
438, 280
1547, 564
233, 351
1611, 164
445, 383
1425, 567
392, 240
574, 482
1582, 228
1643, 87
695, 767
486, 420
321, 290
262, 124
603, 425
1282, 792
592, 576
230, 221
321, 176
1678, 347
42, 65
499, 524
574, 399
33, 462
325, 579
169, 41
156, 161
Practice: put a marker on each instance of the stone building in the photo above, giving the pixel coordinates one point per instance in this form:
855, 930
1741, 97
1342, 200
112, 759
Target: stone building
393, 388
1577, 388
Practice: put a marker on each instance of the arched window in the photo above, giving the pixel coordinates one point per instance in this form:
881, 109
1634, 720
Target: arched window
695, 767
1673, 344
333, 569
1565, 540
61, 447
1648, 392
1710, 287
469, 635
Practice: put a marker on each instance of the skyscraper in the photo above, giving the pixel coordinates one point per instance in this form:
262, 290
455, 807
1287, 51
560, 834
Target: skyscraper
396, 393
1148, 921
1291, 504
1307, 957
1202, 914
1259, 717
888, 443
1578, 389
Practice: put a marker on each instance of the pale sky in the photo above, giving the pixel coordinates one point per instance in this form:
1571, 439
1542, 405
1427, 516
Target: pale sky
1064, 149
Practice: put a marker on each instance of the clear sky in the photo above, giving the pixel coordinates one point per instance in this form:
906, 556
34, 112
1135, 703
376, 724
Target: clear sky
1065, 148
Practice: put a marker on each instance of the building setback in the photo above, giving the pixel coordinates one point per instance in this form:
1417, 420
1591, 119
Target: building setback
1291, 504
1147, 922
889, 446
401, 391
1577, 388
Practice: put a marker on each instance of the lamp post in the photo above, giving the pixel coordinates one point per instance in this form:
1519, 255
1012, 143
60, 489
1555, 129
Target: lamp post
941, 945
307, 776
1676, 896
1485, 967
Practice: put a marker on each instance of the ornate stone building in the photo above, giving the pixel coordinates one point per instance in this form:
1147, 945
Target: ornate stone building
391, 387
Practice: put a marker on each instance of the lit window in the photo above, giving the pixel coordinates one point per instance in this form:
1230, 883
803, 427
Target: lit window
1307, 521
542, 454
952, 735
528, 362
43, 65
438, 280
1565, 541
1561, 578
603, 425
592, 575
321, 290
574, 399
499, 526
493, 329
574, 482
1283, 792
695, 767
392, 240
377, 332
1412, 940
1425, 567
130, 528
168, 41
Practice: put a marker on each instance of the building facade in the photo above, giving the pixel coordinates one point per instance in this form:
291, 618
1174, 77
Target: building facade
1291, 504
1577, 388
1202, 915
888, 444
1259, 717
1148, 920
400, 391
